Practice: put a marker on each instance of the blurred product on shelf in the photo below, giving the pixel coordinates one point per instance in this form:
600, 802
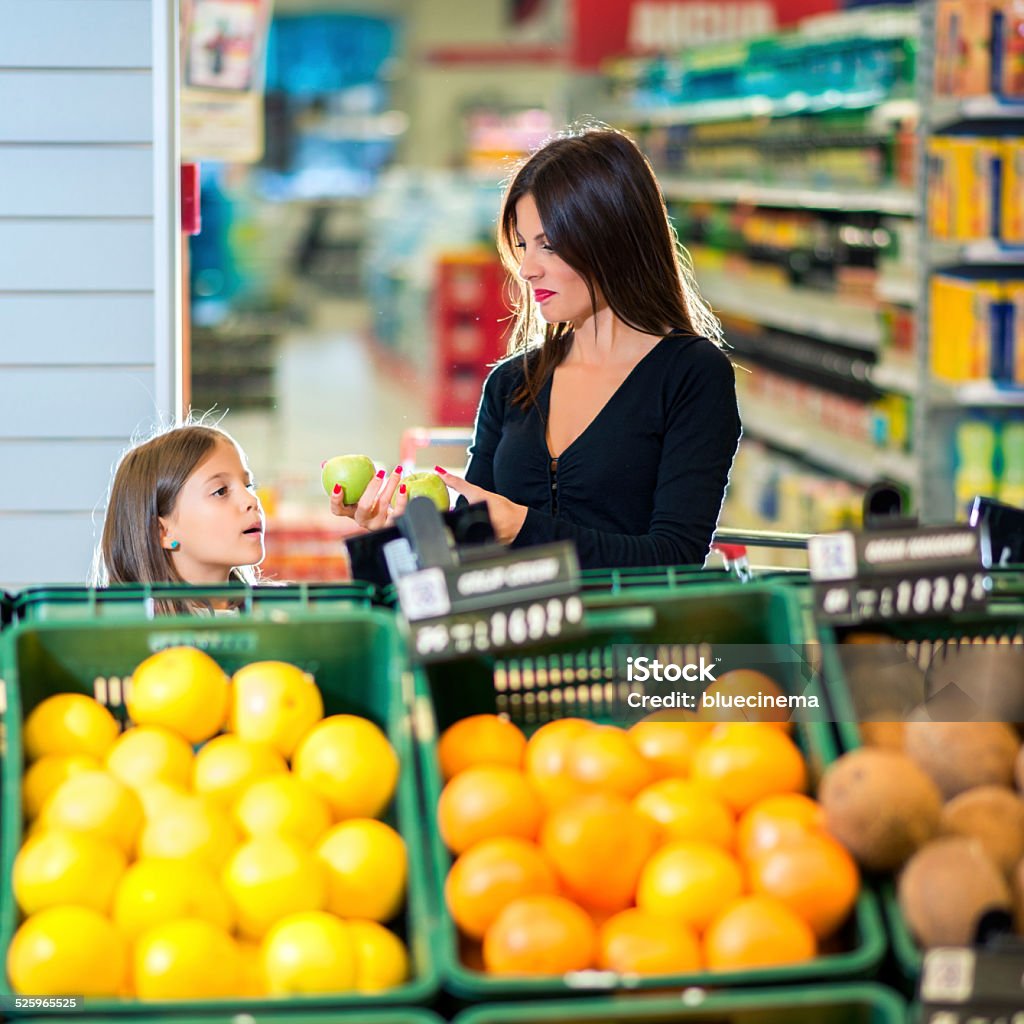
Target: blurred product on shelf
978, 48
495, 139
989, 460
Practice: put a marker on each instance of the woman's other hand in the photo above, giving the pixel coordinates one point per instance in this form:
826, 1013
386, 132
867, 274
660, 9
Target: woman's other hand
507, 517
373, 511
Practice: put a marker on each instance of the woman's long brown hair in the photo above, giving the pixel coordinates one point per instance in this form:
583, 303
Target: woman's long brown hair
604, 215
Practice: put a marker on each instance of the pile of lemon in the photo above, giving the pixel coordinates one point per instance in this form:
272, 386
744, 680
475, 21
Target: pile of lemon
228, 844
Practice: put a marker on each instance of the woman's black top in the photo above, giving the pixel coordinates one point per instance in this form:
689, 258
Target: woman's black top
644, 483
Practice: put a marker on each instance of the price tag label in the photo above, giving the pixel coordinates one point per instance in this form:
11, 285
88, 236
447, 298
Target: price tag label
494, 603
961, 985
881, 576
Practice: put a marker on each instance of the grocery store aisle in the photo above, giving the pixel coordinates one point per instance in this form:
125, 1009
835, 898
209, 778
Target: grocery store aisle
337, 392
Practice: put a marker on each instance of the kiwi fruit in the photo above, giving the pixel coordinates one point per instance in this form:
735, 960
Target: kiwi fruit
989, 676
992, 815
962, 755
880, 805
947, 887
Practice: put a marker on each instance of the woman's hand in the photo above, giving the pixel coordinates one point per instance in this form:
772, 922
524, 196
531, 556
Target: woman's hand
373, 511
507, 517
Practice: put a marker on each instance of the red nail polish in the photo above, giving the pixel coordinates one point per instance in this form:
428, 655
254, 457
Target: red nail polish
337, 488
402, 489
322, 464
443, 472
381, 474
398, 470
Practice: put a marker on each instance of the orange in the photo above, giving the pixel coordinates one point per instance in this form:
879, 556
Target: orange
689, 881
635, 942
746, 762
484, 802
687, 810
667, 741
480, 739
69, 723
45, 775
776, 821
187, 958
757, 931
814, 876
744, 683
545, 762
603, 758
489, 876
598, 846
367, 867
540, 935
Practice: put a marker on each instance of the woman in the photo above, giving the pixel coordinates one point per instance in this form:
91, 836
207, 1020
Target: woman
614, 423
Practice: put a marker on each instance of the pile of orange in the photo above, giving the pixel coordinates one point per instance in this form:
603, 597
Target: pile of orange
672, 847
227, 844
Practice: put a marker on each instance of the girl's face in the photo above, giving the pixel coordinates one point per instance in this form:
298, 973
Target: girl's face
560, 293
217, 519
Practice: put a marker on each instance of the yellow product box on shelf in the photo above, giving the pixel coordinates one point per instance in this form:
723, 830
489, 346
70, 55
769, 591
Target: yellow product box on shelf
963, 324
940, 188
975, 173
1015, 356
1011, 219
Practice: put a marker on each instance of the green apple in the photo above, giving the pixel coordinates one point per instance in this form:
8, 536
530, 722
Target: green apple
353, 472
426, 485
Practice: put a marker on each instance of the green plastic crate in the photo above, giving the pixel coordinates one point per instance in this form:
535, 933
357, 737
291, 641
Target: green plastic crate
359, 664
131, 601
518, 686
1003, 622
831, 1004
403, 1015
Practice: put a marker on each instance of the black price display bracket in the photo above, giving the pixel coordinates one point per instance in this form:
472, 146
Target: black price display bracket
963, 985
499, 602
887, 575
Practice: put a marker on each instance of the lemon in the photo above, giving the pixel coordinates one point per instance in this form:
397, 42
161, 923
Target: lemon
367, 867
153, 892
283, 805
149, 753
67, 951
191, 828
274, 702
187, 959
308, 953
157, 797
381, 958
226, 765
95, 802
69, 723
182, 689
269, 878
253, 983
46, 774
350, 762
60, 868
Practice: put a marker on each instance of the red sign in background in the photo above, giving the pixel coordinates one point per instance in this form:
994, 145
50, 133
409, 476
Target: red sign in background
607, 28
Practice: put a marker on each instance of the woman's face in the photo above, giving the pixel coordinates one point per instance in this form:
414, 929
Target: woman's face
560, 293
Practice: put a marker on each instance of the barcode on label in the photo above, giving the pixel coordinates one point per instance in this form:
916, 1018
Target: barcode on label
947, 976
424, 595
832, 556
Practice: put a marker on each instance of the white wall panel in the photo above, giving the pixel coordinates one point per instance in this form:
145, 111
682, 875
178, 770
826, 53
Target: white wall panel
68, 255
75, 403
76, 106
48, 476
74, 34
75, 329
76, 181
47, 548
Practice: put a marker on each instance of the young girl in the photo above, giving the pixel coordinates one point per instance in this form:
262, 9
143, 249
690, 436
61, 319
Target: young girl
183, 509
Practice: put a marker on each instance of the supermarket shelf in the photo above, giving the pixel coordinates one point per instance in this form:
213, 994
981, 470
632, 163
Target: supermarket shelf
989, 251
906, 293
800, 310
981, 393
945, 112
893, 375
891, 201
745, 108
843, 457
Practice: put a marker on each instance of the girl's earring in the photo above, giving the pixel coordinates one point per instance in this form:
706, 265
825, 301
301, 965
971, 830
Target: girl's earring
175, 545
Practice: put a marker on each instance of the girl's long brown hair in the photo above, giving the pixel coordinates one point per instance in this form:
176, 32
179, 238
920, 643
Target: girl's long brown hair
604, 215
